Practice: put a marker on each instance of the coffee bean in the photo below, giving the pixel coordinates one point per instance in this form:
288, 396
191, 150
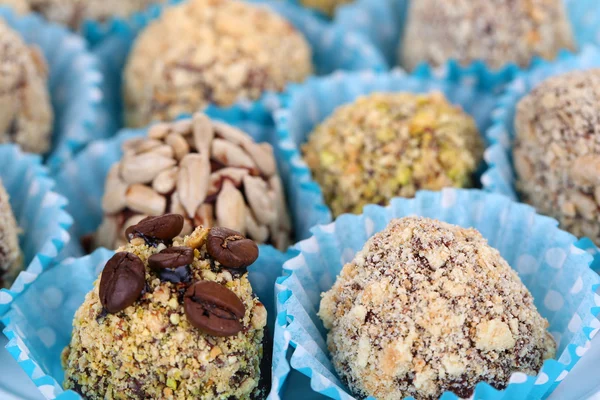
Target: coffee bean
171, 257
122, 281
214, 309
230, 248
157, 229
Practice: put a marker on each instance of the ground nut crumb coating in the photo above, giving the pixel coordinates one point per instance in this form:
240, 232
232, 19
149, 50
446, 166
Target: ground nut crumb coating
150, 350
11, 260
495, 31
211, 173
25, 110
557, 150
385, 145
210, 51
74, 12
327, 7
427, 307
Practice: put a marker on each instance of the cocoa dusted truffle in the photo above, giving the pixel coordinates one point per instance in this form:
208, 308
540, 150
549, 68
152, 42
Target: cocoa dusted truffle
392, 144
210, 51
557, 150
495, 31
11, 260
427, 307
170, 318
210, 172
74, 12
25, 111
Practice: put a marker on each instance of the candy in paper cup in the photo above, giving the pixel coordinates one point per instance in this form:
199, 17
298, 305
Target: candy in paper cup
383, 22
40, 214
74, 84
500, 177
554, 269
39, 322
334, 47
306, 105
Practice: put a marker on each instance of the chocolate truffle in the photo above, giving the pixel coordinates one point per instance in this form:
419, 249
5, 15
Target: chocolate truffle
392, 144
210, 51
168, 322
557, 150
11, 261
25, 111
210, 172
74, 12
495, 31
427, 307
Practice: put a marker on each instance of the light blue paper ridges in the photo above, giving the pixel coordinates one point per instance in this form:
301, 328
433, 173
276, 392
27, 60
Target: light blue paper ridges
74, 84
40, 214
531, 243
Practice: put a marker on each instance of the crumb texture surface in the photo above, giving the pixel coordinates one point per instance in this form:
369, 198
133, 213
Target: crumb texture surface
25, 111
427, 307
211, 51
392, 144
557, 150
495, 31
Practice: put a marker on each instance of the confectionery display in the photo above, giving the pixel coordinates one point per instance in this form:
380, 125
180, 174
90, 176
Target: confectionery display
170, 317
212, 173
385, 145
427, 307
26, 114
10, 254
498, 32
557, 150
210, 51
74, 12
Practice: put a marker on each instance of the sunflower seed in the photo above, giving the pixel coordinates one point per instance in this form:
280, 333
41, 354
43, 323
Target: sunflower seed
203, 132
262, 154
233, 174
192, 181
230, 154
283, 217
142, 199
143, 168
231, 209
183, 127
113, 200
258, 233
159, 131
179, 145
205, 216
261, 200
231, 134
165, 181
107, 233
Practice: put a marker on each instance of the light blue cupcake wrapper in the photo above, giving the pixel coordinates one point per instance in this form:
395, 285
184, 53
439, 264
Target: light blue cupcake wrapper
74, 84
334, 47
40, 214
566, 295
308, 104
383, 22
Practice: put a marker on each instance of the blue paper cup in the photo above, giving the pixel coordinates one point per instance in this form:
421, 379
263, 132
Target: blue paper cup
383, 22
74, 84
308, 104
334, 47
554, 269
40, 213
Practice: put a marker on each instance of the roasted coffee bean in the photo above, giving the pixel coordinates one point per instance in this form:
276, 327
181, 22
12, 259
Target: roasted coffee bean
214, 309
155, 230
171, 257
122, 281
230, 248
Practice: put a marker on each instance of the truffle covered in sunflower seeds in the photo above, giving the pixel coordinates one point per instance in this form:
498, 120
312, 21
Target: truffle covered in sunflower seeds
210, 172
427, 307
210, 51
497, 32
74, 12
392, 144
170, 318
25, 111
557, 150
11, 261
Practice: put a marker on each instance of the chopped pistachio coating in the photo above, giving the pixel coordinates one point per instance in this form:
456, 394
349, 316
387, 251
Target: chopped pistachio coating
151, 351
392, 144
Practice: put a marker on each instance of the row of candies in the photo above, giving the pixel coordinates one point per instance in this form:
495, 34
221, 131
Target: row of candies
368, 137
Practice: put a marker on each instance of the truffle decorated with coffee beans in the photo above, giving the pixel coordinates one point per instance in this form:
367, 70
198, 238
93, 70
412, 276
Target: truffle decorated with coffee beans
25, 111
497, 32
427, 307
206, 52
170, 318
557, 150
210, 172
392, 144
